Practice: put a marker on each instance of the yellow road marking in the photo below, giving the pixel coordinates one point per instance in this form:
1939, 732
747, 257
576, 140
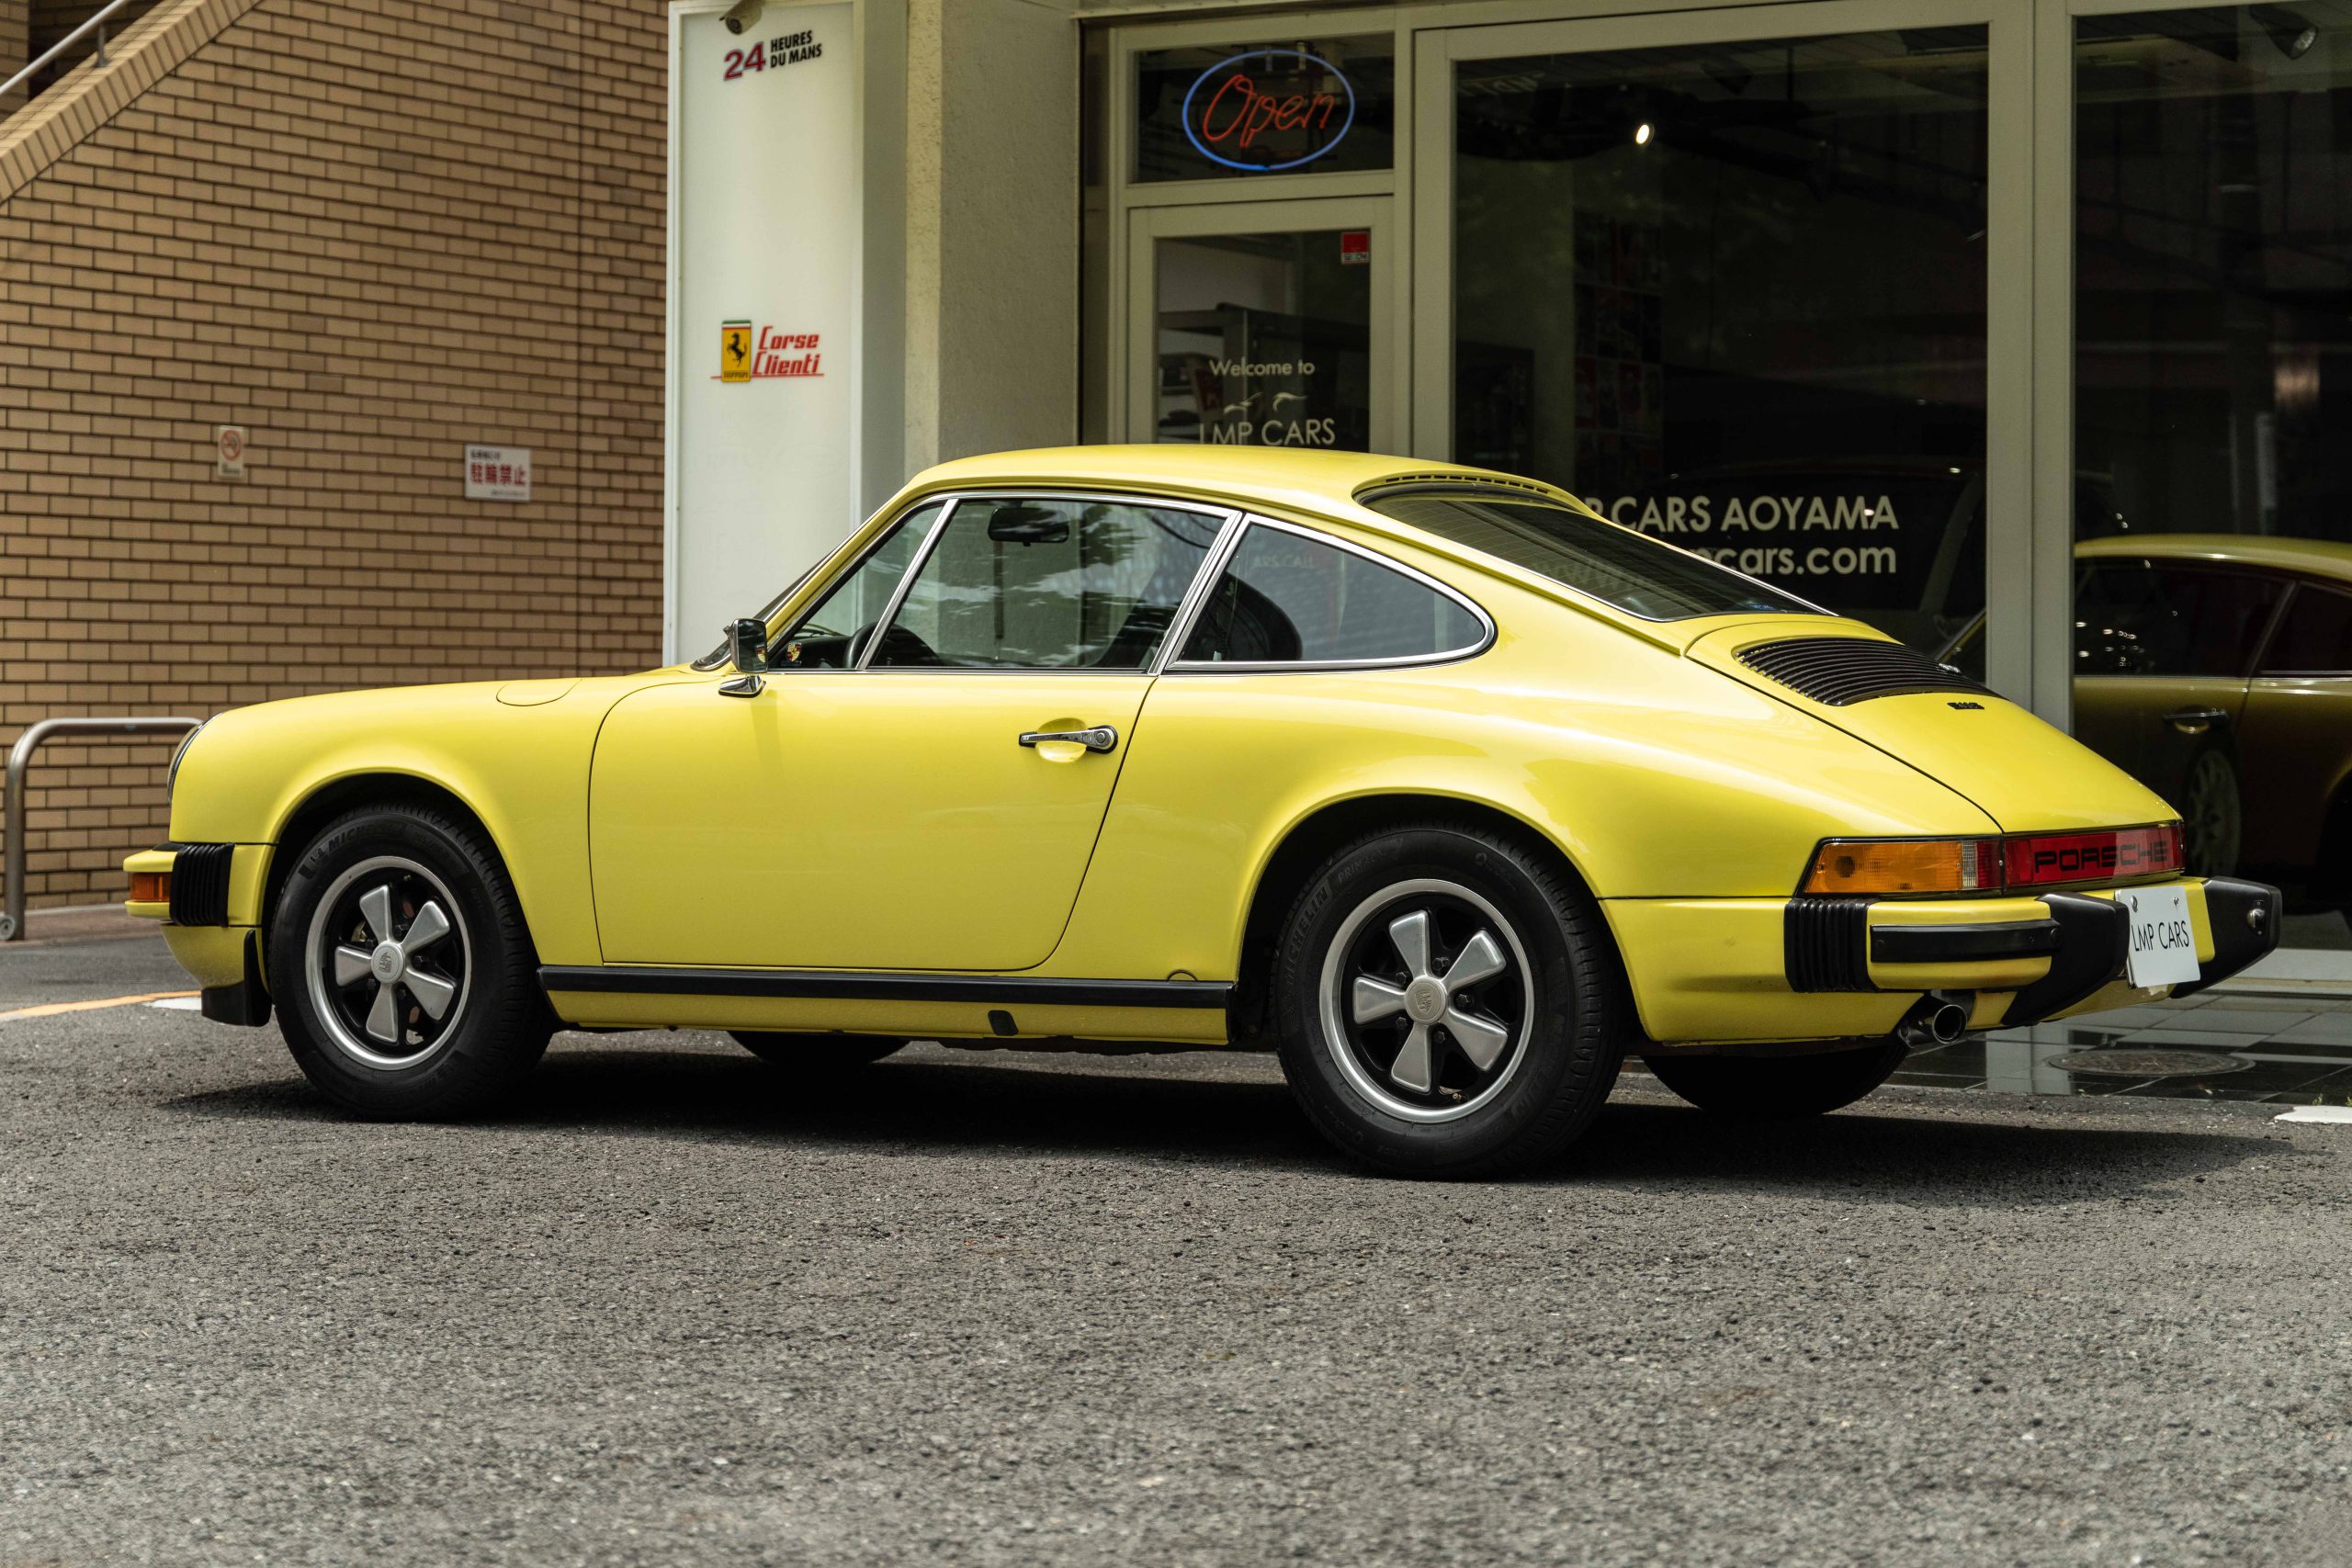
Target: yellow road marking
50, 1009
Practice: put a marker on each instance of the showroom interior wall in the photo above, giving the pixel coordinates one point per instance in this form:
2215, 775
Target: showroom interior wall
368, 236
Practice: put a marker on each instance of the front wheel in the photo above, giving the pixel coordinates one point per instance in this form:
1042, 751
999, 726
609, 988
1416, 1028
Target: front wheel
1769, 1088
1448, 1002
406, 984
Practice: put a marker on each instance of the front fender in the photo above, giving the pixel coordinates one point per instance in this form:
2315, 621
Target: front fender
521, 769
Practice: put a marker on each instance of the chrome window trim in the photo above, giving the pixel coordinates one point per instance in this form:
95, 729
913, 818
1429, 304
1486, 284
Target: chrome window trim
1228, 520
905, 581
1302, 666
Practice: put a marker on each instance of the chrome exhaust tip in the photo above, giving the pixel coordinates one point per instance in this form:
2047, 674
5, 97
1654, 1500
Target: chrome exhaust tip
1939, 1019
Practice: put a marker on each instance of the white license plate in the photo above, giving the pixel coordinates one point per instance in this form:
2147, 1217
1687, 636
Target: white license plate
2163, 943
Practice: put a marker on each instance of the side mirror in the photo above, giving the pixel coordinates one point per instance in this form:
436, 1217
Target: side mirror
747, 644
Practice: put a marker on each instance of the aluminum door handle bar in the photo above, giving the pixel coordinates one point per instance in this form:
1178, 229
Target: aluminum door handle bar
2195, 720
1102, 737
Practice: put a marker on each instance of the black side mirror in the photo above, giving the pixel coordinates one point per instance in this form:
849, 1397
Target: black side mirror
747, 644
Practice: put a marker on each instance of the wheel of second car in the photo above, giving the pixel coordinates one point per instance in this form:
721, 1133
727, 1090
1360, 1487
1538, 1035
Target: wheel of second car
815, 1052
405, 980
1769, 1088
2211, 817
1448, 1002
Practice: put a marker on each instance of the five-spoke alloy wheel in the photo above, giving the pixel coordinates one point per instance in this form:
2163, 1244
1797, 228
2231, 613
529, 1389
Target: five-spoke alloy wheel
1447, 1001
405, 979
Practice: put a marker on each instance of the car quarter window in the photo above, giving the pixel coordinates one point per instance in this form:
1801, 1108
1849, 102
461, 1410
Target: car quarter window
1643, 576
1286, 598
2316, 636
830, 635
1040, 582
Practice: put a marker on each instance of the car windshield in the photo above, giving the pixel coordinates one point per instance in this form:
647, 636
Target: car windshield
1639, 575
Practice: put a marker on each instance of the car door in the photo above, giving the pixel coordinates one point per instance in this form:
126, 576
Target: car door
919, 779
2296, 738
2164, 650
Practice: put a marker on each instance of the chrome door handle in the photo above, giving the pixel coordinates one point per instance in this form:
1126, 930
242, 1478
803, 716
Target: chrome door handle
1102, 737
2195, 720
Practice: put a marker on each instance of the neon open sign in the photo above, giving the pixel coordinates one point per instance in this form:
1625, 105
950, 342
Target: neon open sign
1269, 108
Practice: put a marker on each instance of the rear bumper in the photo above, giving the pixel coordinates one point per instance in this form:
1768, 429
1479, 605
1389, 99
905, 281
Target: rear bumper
1733, 970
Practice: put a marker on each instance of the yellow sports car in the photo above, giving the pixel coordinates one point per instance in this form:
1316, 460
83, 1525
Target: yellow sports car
1425, 777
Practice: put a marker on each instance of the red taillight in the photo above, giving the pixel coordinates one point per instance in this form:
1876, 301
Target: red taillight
1882, 867
2038, 859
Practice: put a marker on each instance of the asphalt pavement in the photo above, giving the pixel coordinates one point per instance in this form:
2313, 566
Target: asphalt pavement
1017, 1309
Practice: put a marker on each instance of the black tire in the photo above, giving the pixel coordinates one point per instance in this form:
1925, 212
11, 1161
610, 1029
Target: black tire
495, 1022
1558, 1003
2212, 814
815, 1052
1779, 1089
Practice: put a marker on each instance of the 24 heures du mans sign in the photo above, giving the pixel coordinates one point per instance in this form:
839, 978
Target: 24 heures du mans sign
1269, 108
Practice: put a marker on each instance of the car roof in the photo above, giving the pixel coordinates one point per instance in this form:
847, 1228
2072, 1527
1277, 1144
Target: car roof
1283, 477
2311, 558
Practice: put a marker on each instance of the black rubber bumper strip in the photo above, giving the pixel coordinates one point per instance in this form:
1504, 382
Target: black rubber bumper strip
998, 990
1963, 944
2244, 918
2094, 936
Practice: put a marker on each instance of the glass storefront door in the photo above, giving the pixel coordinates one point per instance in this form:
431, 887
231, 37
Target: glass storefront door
1733, 289
1262, 324
2212, 367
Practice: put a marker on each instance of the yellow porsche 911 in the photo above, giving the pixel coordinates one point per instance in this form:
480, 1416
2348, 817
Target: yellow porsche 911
1424, 777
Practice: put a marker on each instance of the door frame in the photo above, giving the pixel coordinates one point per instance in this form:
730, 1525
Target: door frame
1390, 316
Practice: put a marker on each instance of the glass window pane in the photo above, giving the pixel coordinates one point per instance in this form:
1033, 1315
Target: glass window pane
2212, 385
1047, 584
1651, 580
1734, 296
1266, 340
2316, 636
830, 635
1285, 598
1234, 111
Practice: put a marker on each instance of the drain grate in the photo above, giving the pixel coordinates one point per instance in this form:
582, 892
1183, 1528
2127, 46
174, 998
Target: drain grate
2151, 1063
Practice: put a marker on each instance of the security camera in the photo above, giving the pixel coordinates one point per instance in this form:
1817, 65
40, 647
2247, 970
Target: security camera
741, 14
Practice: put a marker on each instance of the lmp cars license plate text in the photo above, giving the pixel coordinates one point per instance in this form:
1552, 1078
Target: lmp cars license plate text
2163, 943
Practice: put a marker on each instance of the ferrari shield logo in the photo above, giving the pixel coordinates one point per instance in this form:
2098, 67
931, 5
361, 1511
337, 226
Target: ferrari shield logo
735, 351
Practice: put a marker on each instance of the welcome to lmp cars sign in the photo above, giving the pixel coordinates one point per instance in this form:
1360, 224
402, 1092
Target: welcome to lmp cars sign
766, 232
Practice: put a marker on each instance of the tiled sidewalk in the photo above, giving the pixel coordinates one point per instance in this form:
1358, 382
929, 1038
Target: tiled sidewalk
2280, 1043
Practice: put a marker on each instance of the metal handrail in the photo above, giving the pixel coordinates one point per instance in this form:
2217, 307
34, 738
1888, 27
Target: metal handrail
12, 923
99, 20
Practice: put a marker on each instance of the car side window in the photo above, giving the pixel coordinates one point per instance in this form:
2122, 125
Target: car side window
832, 633
1285, 598
2228, 612
2135, 617
1048, 584
2316, 636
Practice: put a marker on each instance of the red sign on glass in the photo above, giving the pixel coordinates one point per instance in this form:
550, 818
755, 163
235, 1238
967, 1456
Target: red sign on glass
1270, 108
1355, 247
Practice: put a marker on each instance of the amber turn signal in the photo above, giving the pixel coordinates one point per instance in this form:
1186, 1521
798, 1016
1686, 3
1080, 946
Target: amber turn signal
151, 886
1906, 866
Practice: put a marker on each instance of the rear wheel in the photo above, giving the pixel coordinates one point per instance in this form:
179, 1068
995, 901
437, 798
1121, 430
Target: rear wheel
405, 980
1447, 1003
815, 1052
1767, 1088
2212, 819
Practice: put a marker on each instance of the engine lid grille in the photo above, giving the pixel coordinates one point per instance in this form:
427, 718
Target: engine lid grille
1838, 670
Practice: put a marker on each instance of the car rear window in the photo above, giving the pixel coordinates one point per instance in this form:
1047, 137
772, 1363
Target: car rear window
1642, 576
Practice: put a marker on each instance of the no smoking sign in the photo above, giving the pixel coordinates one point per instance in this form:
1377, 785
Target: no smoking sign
229, 451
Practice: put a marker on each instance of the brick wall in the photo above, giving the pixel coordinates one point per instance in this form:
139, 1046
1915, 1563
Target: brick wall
370, 233
15, 33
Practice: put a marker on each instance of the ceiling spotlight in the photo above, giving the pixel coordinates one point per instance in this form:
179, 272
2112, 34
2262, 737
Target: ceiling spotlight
1642, 134
2292, 35
741, 14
